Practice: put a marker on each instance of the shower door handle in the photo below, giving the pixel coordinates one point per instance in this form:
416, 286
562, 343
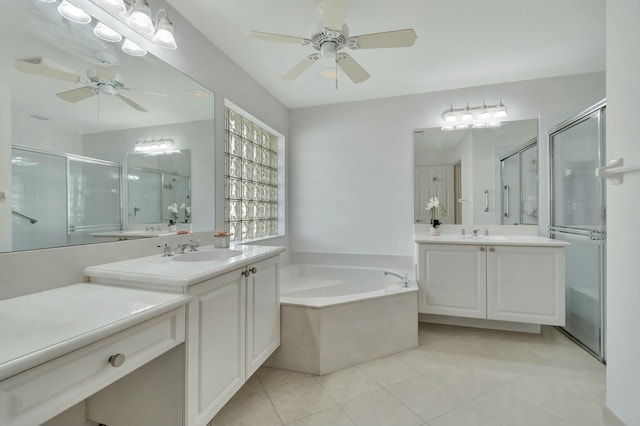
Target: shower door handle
486, 200
506, 202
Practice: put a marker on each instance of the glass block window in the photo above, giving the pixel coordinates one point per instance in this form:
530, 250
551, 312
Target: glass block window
251, 179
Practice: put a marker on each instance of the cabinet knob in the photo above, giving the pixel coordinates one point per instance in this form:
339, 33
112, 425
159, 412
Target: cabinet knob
253, 270
246, 273
482, 249
116, 360
491, 249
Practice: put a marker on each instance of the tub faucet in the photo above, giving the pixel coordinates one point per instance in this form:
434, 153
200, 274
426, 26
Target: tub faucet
404, 278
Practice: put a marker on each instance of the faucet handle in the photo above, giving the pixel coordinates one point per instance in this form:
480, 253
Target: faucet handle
463, 233
486, 232
194, 244
167, 250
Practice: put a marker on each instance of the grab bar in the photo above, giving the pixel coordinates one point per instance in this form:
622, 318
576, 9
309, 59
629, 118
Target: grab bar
506, 209
486, 200
30, 219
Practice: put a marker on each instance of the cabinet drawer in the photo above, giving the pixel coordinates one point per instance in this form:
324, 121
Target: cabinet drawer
40, 393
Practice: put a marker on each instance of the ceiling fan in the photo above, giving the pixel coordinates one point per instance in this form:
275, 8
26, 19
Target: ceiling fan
334, 37
102, 79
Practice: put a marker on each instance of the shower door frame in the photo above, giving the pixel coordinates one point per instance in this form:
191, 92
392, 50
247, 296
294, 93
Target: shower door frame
518, 151
598, 111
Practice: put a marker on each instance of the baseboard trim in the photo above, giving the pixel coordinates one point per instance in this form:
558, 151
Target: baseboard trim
610, 417
480, 323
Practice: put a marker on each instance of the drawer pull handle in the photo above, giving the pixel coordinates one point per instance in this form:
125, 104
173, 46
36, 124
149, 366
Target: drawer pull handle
482, 249
253, 270
492, 249
116, 360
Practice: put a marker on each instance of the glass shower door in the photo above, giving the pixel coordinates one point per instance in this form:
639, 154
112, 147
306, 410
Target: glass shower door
577, 216
511, 190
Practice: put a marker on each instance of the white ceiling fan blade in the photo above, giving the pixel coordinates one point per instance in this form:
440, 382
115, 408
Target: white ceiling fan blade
333, 14
132, 104
301, 67
37, 67
146, 92
281, 38
77, 95
352, 69
399, 38
105, 71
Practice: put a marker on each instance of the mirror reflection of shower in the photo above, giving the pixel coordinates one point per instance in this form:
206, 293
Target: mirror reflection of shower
519, 184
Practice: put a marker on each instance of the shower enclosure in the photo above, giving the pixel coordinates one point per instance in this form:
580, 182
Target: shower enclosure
519, 185
60, 199
578, 216
151, 192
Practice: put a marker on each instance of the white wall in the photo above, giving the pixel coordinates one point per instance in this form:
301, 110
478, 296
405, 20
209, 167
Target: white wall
40, 134
196, 136
623, 205
351, 168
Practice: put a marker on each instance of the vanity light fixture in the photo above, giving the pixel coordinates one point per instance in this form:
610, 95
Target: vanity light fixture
48, 1
155, 146
73, 13
163, 36
116, 6
130, 48
485, 116
106, 33
140, 17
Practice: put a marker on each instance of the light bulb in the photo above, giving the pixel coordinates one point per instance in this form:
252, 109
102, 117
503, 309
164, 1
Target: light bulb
48, 1
450, 118
73, 13
130, 48
140, 17
116, 6
164, 34
105, 33
484, 115
462, 126
501, 111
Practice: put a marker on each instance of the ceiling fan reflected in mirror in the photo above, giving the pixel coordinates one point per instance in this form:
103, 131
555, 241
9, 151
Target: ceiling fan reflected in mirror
334, 37
102, 79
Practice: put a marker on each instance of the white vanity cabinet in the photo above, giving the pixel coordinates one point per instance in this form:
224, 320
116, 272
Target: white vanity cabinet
507, 282
233, 327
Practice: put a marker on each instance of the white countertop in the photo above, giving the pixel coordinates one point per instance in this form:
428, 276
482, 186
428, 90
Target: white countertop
165, 273
494, 240
39, 327
131, 234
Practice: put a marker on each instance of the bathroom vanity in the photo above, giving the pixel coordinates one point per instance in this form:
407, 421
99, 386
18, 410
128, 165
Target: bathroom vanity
63, 345
512, 278
232, 323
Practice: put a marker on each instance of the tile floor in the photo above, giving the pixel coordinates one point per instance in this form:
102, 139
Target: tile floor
456, 377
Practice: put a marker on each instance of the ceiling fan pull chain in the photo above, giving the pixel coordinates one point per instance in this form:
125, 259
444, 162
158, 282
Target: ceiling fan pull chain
336, 72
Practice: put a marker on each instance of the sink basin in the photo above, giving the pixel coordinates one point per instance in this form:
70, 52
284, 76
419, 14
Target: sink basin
207, 256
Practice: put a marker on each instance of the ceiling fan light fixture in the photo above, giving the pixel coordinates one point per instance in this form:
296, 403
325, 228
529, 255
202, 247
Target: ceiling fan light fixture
130, 48
73, 13
116, 6
106, 33
164, 35
329, 73
328, 50
140, 17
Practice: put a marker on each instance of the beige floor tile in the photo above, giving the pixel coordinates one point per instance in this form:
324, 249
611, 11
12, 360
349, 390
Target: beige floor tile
251, 385
465, 416
387, 371
299, 399
347, 384
591, 414
331, 417
380, 409
247, 410
513, 411
270, 377
424, 398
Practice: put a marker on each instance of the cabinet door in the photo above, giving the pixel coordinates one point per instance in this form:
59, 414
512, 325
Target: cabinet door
526, 284
215, 345
452, 280
263, 313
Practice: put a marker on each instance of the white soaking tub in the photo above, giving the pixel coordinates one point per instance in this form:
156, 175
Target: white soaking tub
335, 317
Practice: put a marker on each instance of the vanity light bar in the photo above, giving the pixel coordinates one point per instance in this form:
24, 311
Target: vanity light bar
137, 16
485, 116
155, 146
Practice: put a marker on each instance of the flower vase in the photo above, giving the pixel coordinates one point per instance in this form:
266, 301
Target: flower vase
435, 231
173, 228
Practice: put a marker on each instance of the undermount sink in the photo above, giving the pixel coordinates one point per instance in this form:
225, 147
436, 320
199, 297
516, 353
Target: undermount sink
207, 256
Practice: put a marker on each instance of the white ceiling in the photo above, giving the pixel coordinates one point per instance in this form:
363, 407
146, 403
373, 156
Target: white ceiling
461, 43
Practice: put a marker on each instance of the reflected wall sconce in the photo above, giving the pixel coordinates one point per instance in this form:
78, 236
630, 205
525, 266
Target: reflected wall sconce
155, 146
137, 16
485, 116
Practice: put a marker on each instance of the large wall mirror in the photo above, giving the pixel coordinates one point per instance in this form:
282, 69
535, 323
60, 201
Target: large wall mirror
480, 176
96, 144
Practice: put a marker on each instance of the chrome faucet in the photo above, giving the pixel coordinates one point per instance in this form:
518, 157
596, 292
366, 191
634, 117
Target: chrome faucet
167, 251
194, 244
463, 233
486, 232
181, 247
474, 232
404, 278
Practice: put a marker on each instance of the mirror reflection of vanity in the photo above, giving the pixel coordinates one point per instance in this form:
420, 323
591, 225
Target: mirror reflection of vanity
79, 107
480, 176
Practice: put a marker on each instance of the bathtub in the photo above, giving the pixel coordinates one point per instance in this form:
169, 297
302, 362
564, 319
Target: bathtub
335, 317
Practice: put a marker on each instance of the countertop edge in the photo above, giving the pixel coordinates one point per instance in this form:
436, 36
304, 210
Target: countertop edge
513, 242
31, 360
